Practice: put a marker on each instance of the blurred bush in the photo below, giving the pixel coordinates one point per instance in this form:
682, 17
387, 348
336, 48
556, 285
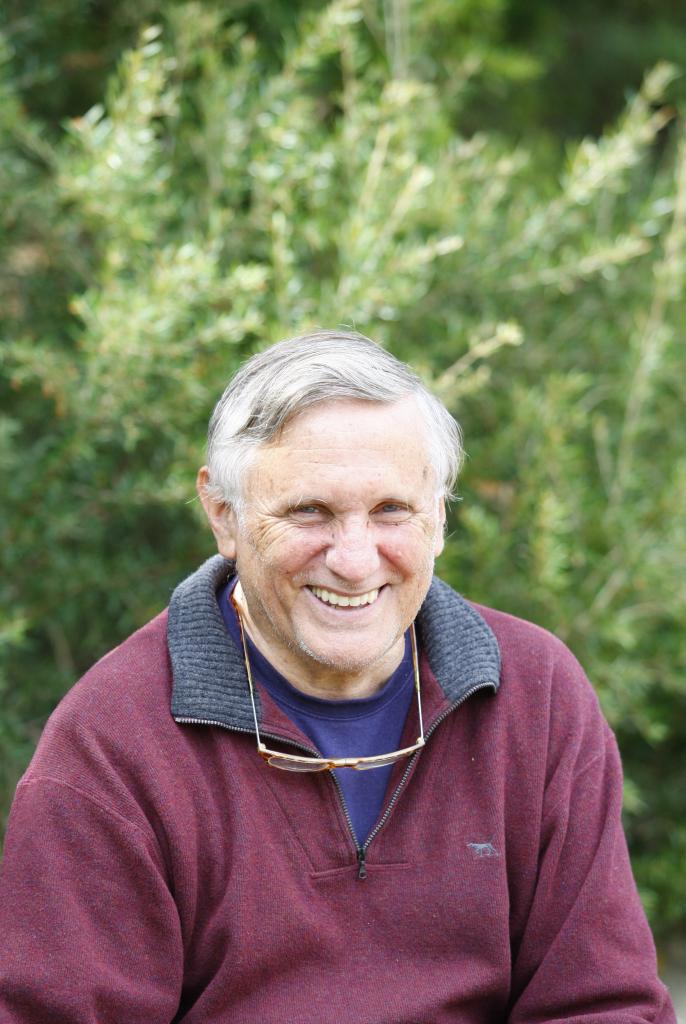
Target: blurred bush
230, 191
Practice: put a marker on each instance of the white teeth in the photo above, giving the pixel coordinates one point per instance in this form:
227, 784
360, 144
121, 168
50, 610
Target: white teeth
345, 602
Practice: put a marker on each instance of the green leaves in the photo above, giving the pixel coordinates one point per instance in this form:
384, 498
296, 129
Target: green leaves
219, 198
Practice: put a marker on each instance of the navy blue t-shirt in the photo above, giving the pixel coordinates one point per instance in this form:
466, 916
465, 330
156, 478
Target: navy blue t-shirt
362, 727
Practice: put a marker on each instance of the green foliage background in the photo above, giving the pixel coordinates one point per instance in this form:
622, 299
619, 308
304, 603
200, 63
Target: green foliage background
496, 191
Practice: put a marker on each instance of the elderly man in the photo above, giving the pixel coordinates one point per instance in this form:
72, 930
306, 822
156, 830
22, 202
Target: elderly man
323, 788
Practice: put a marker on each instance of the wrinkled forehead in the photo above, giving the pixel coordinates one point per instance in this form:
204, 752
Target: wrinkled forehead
349, 446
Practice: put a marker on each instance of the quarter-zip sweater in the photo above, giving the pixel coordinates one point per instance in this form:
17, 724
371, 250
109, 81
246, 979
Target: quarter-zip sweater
157, 871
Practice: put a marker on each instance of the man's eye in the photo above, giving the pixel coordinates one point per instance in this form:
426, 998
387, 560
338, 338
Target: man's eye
392, 512
308, 514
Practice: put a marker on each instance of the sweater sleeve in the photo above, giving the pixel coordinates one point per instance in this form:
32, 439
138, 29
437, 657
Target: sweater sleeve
587, 954
88, 926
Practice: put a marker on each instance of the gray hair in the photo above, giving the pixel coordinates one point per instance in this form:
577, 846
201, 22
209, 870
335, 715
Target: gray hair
277, 384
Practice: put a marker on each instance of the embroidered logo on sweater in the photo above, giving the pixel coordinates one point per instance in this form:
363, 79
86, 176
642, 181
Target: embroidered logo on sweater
483, 850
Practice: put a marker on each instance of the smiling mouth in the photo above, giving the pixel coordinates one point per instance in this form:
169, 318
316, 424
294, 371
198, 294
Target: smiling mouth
341, 601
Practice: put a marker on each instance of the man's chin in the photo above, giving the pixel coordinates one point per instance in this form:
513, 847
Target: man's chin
348, 659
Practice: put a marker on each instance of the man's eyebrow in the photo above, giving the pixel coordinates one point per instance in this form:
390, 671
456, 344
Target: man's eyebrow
305, 499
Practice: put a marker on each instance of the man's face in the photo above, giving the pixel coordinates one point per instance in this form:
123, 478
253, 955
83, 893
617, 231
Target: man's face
335, 543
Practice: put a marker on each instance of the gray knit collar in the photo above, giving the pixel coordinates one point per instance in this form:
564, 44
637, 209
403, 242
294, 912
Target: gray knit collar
209, 682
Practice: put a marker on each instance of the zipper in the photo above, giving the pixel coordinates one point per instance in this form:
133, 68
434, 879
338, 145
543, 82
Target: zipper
251, 732
362, 850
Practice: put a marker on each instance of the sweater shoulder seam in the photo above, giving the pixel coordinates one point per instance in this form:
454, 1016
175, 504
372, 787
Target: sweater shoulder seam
63, 784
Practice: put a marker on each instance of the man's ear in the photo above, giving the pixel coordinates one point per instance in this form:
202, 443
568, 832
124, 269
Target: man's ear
220, 516
440, 532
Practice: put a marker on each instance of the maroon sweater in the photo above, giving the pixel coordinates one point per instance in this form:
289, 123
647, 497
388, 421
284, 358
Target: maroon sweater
159, 871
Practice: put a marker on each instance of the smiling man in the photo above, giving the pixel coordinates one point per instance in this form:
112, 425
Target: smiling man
335, 541
323, 787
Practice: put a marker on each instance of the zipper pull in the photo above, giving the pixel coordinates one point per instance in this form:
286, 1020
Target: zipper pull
362, 870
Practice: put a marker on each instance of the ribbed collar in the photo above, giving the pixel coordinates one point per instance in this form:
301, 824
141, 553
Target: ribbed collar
209, 682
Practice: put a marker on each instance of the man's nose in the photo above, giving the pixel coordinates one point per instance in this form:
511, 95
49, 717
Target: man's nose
352, 554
